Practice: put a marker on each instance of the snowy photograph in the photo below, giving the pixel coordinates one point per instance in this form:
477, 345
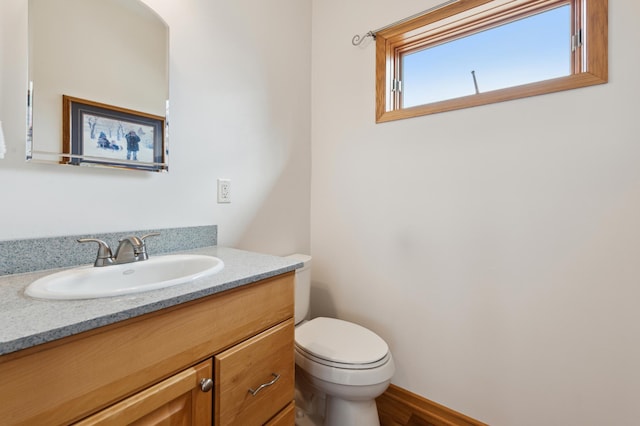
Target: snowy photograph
113, 136
116, 139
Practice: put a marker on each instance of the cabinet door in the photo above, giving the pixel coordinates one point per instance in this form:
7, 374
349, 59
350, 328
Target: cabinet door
255, 379
176, 401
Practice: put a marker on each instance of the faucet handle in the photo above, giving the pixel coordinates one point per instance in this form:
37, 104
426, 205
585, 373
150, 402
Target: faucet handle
104, 256
144, 237
151, 234
143, 255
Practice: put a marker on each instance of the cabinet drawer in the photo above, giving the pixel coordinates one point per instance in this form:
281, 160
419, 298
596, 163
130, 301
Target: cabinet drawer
263, 364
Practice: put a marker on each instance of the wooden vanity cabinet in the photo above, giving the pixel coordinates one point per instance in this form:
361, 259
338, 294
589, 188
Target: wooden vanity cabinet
148, 369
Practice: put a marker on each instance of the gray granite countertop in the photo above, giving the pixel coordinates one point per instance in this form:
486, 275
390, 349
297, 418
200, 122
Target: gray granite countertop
27, 322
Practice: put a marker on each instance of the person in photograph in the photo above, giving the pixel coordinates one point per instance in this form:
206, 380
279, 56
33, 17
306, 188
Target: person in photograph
133, 145
103, 142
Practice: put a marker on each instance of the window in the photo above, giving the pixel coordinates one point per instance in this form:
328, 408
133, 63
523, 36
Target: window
476, 52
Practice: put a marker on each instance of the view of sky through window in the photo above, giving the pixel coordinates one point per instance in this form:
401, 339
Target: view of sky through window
534, 48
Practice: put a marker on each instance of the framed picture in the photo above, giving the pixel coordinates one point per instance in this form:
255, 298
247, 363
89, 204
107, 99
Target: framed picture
99, 134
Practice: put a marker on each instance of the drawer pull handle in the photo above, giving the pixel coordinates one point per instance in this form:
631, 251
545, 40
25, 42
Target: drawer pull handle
264, 385
206, 385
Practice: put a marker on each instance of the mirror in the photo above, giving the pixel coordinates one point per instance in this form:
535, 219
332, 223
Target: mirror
110, 55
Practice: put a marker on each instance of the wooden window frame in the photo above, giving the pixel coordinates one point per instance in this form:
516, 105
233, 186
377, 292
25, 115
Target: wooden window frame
465, 17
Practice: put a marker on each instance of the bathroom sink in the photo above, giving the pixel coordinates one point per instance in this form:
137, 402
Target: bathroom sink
89, 282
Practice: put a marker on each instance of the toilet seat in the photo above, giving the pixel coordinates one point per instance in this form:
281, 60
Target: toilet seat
341, 365
340, 344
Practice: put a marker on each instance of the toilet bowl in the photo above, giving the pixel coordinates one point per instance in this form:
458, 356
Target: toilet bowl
341, 367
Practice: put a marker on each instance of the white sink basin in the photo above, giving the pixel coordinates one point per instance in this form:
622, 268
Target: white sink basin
89, 282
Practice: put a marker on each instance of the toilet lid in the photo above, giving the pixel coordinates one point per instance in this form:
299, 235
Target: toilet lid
340, 341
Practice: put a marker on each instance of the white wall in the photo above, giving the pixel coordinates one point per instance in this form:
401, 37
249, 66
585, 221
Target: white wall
496, 249
240, 109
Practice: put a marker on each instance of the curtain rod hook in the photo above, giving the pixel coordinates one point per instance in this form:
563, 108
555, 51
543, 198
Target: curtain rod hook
357, 40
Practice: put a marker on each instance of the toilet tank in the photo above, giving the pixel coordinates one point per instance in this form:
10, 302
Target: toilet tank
302, 287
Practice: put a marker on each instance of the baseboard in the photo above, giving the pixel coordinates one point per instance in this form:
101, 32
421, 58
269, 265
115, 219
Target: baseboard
399, 407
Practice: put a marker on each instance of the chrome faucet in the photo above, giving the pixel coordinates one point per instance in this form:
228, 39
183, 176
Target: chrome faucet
130, 249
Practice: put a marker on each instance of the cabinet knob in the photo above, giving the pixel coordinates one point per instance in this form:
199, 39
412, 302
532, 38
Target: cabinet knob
206, 385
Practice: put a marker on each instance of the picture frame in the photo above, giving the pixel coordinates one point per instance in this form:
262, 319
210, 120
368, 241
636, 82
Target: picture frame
97, 134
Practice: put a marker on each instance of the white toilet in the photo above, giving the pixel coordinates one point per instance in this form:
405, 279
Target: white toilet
341, 367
